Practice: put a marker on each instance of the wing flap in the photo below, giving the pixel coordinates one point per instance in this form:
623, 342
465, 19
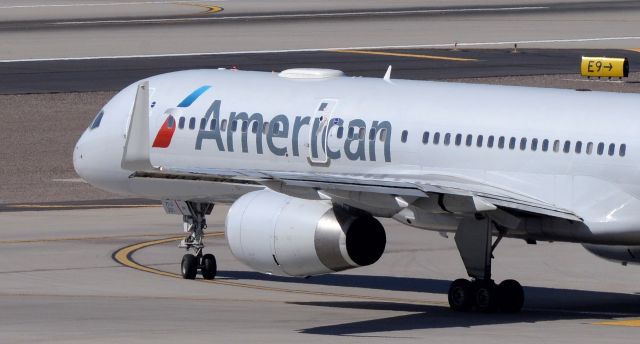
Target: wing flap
407, 186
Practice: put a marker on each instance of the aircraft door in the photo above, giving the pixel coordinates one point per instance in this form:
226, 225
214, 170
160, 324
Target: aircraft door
319, 133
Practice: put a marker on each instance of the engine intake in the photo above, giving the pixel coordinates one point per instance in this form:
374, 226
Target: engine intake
278, 234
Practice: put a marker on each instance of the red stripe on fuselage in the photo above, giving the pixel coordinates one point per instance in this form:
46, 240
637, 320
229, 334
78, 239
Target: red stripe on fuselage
163, 138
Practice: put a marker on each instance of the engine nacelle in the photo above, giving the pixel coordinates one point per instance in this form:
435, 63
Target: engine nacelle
620, 254
278, 234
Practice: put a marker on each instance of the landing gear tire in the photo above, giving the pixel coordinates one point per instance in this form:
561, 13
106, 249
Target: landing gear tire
485, 296
511, 296
461, 295
208, 266
189, 266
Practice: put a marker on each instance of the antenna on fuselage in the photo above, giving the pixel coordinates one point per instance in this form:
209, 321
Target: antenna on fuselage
387, 75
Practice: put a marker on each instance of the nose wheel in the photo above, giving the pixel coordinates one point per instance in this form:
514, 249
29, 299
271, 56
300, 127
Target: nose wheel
194, 223
191, 264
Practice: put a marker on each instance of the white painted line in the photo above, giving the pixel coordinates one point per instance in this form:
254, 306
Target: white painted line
109, 4
299, 15
616, 81
69, 180
412, 46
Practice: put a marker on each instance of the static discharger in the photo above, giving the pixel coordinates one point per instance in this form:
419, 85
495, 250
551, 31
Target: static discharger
604, 67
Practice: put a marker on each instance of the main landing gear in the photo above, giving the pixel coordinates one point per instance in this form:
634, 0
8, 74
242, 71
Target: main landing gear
473, 239
194, 225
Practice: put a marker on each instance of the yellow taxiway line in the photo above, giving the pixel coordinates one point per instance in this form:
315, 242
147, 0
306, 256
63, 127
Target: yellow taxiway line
625, 323
124, 257
210, 9
418, 56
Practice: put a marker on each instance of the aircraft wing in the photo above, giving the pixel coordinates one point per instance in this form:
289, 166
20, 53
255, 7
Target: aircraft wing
424, 185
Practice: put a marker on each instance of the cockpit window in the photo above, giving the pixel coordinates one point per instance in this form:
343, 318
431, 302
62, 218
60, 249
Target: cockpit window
96, 121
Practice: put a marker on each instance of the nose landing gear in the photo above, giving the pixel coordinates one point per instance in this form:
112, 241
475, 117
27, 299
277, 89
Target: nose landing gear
194, 219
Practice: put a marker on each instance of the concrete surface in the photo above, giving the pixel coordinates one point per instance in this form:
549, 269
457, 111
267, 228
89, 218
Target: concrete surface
84, 33
60, 284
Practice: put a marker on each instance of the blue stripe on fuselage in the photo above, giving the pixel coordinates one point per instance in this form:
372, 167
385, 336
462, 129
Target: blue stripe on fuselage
193, 96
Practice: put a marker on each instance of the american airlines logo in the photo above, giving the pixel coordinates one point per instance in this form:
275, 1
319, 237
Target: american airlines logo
285, 135
165, 134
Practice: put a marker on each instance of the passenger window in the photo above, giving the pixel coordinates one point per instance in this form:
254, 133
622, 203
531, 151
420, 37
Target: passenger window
203, 123
192, 123
383, 135
556, 146
589, 148
265, 128
223, 125
501, 142
404, 136
567, 146
534, 144
340, 132
96, 121
171, 122
469, 140
545, 145
214, 124
578, 149
612, 149
234, 125
490, 141
623, 149
351, 133
436, 138
600, 148
245, 126
425, 137
523, 144
479, 141
458, 139
512, 143
447, 139
361, 133
181, 123
372, 134
254, 127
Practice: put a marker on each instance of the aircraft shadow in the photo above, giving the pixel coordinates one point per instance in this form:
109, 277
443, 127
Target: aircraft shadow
542, 304
426, 318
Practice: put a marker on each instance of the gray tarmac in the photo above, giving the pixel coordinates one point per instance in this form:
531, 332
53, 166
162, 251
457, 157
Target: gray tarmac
114, 74
161, 29
69, 272
60, 283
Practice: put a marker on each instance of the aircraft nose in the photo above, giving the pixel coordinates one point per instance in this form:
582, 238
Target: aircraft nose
96, 159
79, 158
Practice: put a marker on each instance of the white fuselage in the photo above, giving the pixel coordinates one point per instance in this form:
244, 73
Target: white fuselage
575, 150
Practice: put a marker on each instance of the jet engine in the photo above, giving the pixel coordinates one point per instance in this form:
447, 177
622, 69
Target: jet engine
283, 235
621, 254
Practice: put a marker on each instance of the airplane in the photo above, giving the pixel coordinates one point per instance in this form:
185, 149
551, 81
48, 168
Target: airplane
309, 158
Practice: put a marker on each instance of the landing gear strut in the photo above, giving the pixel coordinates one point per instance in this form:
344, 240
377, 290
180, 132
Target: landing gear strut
193, 215
473, 239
